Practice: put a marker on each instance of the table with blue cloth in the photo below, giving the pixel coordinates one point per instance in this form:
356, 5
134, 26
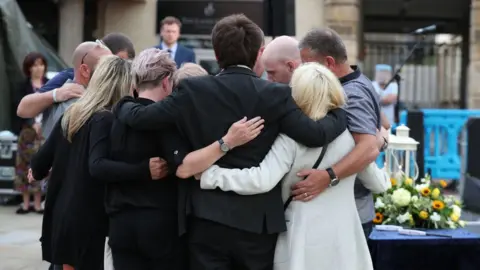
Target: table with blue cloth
394, 251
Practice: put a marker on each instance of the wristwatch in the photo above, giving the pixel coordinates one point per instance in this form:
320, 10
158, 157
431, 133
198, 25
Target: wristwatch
223, 146
333, 177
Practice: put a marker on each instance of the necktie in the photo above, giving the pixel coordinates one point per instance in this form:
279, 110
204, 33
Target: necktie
170, 52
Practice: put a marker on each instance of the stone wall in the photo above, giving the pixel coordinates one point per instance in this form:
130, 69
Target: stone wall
344, 17
473, 95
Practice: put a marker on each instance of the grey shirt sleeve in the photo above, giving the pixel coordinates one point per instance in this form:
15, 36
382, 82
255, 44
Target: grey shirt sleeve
361, 113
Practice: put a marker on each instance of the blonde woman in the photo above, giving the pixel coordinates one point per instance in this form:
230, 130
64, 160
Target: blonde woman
75, 223
324, 233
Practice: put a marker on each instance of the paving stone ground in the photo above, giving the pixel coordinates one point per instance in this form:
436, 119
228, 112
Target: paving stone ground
19, 245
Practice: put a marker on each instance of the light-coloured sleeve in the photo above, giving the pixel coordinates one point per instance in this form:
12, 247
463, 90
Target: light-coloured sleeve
255, 180
375, 179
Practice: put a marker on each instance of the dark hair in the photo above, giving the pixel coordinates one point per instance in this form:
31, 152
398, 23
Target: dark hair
29, 61
170, 20
325, 42
236, 41
118, 42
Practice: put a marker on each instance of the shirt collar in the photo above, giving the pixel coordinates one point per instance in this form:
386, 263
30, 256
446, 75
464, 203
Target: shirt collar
351, 76
173, 49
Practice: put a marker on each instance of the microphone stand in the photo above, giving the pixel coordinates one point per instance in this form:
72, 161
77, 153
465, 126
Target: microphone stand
397, 78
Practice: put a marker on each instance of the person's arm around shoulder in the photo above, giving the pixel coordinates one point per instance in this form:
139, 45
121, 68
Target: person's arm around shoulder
157, 115
102, 168
53, 91
239, 133
362, 124
255, 180
298, 126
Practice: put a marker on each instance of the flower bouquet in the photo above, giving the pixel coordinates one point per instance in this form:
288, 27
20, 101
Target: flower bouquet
418, 205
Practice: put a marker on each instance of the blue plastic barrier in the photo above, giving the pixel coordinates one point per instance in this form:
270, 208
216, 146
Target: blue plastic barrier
443, 128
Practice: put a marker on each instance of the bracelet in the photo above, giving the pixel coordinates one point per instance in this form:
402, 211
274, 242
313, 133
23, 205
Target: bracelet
54, 95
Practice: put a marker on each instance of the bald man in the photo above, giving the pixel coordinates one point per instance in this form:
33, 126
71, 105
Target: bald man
85, 59
280, 58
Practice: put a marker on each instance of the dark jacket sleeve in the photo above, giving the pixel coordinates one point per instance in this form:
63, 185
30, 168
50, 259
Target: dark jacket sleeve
42, 161
57, 81
155, 116
296, 125
100, 166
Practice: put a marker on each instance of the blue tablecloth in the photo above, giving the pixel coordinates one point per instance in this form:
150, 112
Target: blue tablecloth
393, 251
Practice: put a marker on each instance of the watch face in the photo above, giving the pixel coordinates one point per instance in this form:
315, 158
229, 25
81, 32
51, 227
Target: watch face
224, 147
334, 182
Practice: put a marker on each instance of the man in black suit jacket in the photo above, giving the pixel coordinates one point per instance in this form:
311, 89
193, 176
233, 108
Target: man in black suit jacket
227, 230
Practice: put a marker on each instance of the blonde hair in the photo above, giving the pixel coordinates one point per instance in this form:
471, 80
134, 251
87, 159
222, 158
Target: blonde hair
188, 70
110, 82
316, 90
150, 67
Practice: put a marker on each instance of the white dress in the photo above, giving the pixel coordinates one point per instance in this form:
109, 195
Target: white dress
322, 234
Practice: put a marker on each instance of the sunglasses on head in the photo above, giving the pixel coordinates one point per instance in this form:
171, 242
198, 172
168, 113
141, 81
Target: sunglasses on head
100, 44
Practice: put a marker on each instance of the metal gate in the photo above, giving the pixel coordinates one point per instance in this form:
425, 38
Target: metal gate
430, 79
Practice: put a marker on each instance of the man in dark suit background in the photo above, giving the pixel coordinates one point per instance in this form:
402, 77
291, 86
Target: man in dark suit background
227, 230
170, 32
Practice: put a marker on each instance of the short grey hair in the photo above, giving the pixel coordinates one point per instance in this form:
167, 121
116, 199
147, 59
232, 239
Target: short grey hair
188, 70
325, 42
150, 67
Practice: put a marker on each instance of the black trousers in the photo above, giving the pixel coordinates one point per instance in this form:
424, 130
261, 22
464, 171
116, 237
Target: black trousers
214, 246
146, 240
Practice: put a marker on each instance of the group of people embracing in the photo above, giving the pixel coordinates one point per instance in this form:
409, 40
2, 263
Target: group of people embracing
183, 170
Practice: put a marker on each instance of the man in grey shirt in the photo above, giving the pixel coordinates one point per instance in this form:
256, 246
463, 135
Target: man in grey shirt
85, 59
326, 47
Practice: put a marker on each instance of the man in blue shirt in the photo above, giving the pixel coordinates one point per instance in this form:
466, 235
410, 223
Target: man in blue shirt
56, 91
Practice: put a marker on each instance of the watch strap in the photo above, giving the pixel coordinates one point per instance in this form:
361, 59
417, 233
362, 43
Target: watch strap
331, 173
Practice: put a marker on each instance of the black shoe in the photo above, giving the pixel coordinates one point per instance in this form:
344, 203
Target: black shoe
22, 211
39, 211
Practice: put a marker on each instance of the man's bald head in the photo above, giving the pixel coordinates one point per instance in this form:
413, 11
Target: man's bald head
280, 58
85, 59
282, 48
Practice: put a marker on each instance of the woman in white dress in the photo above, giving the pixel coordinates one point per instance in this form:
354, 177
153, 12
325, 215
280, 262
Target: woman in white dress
324, 233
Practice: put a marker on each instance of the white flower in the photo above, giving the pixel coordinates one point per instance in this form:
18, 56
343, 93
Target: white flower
421, 186
461, 223
435, 217
401, 197
379, 203
404, 218
449, 200
414, 198
451, 224
456, 210
423, 180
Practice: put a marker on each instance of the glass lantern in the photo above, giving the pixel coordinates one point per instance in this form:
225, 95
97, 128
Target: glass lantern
401, 154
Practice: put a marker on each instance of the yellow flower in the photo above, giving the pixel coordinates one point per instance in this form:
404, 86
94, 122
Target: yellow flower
454, 217
423, 214
378, 218
443, 183
408, 181
435, 193
425, 191
393, 181
457, 202
438, 205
